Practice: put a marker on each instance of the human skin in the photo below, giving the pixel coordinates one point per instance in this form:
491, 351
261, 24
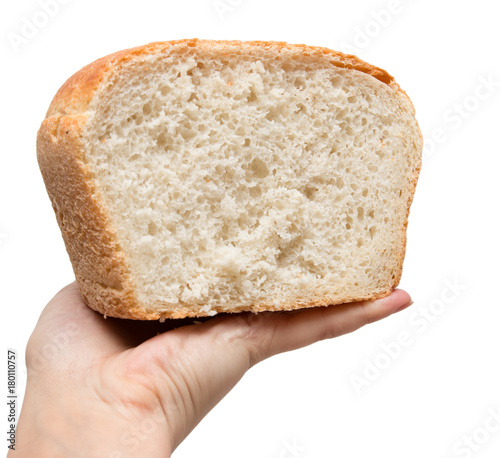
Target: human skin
118, 388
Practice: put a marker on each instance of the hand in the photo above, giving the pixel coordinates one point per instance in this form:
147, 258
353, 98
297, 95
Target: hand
117, 388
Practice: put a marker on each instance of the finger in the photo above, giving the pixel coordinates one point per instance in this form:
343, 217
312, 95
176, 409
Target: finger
279, 332
265, 334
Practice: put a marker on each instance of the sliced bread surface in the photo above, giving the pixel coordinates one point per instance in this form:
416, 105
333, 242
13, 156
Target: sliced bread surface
196, 177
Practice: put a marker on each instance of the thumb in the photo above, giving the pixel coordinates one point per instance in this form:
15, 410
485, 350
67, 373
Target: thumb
196, 366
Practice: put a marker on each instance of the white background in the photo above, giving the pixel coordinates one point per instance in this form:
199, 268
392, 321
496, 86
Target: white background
422, 400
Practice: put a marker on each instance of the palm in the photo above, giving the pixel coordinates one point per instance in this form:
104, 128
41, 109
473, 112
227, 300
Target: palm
70, 326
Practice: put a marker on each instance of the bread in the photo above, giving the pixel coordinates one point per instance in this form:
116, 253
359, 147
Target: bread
196, 177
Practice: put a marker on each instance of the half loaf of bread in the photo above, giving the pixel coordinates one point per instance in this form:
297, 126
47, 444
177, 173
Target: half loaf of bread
196, 177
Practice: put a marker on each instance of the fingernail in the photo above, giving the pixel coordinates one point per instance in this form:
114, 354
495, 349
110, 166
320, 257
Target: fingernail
403, 307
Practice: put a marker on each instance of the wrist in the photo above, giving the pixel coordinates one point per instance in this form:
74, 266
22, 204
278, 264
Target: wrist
64, 422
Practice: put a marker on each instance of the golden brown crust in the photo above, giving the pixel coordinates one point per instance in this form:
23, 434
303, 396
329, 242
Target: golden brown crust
100, 267
93, 251
76, 93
